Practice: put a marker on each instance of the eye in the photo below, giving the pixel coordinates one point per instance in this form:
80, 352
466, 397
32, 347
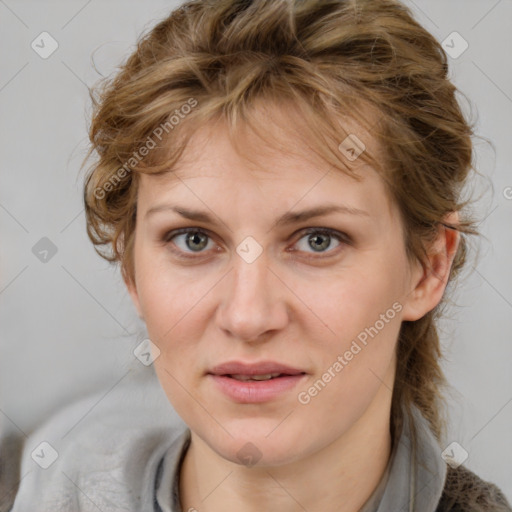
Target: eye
320, 239
196, 240
189, 240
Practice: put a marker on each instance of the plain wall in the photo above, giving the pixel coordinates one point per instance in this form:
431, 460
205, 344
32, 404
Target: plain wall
67, 325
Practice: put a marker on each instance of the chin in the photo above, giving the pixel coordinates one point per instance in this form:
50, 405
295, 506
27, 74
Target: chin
254, 446
248, 454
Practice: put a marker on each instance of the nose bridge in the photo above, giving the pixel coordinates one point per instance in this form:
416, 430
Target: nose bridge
251, 305
250, 279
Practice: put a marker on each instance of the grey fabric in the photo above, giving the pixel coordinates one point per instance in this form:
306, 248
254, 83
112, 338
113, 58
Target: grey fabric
167, 486
109, 446
418, 472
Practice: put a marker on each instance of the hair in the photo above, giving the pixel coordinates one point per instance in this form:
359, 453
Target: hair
332, 60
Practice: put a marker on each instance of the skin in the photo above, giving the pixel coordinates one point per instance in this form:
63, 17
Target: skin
302, 308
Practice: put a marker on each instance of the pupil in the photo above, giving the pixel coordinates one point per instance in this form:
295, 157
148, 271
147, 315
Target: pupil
196, 238
324, 245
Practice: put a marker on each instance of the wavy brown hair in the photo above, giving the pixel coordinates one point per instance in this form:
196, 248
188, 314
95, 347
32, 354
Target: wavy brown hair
367, 60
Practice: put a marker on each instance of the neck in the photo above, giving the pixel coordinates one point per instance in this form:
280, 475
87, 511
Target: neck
342, 476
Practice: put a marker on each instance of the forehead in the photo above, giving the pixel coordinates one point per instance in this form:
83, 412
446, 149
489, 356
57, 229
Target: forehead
283, 167
280, 132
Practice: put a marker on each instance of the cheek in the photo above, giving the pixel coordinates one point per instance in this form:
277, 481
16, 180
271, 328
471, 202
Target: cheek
172, 307
359, 344
354, 332
356, 361
167, 295
344, 305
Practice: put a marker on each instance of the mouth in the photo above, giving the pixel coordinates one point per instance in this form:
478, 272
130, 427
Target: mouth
258, 378
255, 383
262, 370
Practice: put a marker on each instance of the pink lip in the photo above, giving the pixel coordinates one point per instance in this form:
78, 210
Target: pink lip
246, 392
237, 367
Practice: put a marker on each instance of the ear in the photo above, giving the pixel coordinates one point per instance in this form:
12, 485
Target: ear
131, 286
428, 284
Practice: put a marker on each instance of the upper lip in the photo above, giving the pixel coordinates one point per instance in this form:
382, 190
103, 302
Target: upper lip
261, 368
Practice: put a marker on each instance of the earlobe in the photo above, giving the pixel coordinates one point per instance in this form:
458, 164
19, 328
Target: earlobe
429, 285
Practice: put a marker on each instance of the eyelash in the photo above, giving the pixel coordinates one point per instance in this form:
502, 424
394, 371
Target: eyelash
343, 238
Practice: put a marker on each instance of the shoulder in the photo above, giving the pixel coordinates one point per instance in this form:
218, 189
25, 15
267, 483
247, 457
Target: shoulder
100, 452
466, 492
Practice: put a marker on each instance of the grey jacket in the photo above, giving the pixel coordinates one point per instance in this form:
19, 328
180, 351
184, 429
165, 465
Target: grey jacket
121, 451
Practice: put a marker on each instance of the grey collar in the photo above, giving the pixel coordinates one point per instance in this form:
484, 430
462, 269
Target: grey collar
417, 471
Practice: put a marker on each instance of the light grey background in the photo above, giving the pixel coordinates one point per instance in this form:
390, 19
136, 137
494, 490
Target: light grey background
67, 325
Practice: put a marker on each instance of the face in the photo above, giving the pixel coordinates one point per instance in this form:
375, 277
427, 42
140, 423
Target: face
235, 287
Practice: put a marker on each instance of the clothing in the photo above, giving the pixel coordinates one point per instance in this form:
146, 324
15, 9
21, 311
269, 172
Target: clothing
11, 445
122, 450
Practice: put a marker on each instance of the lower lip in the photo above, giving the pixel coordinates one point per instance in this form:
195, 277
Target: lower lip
253, 392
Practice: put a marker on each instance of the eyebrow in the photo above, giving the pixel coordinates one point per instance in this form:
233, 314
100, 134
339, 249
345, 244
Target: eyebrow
286, 219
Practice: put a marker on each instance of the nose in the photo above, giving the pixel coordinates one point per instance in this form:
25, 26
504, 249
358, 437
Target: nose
253, 301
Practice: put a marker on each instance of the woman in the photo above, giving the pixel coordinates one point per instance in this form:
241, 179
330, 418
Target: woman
314, 152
